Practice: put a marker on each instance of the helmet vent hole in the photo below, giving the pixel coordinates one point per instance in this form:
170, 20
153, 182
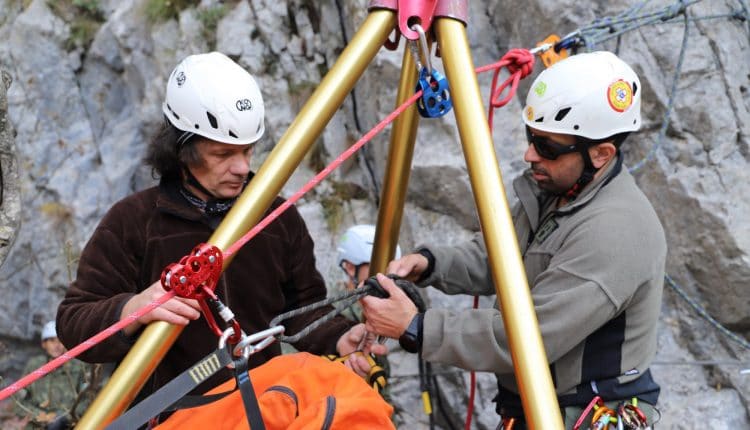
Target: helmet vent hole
197, 126
231, 133
635, 88
540, 119
260, 125
576, 127
561, 114
212, 120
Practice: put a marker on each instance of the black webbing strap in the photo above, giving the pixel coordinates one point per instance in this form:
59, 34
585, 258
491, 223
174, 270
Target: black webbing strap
175, 389
252, 410
164, 398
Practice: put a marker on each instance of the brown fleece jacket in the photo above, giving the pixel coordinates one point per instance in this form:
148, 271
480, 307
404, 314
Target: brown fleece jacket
143, 233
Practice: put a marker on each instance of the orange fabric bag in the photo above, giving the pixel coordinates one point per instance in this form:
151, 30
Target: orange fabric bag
295, 391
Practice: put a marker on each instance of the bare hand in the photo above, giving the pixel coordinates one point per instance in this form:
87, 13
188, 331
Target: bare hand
388, 317
357, 337
409, 267
176, 310
349, 343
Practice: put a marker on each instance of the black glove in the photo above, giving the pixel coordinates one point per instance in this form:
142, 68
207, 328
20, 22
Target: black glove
408, 287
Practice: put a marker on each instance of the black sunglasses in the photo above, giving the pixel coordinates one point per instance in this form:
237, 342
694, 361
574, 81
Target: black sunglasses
548, 148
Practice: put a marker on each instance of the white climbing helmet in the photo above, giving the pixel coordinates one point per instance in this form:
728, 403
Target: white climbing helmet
211, 95
594, 95
356, 244
49, 331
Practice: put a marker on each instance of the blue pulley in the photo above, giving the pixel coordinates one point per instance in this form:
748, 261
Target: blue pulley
436, 100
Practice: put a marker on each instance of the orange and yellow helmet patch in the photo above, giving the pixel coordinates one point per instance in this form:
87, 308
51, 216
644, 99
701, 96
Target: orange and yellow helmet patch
620, 95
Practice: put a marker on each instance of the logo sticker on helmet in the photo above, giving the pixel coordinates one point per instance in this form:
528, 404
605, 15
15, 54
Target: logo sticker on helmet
243, 105
620, 95
180, 79
540, 88
529, 113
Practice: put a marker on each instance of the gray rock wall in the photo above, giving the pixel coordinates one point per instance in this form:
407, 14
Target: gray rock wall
83, 110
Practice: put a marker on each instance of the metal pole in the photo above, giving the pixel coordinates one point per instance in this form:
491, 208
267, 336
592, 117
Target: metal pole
398, 168
529, 359
158, 337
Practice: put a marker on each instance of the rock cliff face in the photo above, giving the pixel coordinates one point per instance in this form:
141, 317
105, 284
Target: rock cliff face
87, 86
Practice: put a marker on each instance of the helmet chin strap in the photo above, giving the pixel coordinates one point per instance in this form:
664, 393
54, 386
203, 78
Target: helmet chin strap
214, 206
586, 176
195, 183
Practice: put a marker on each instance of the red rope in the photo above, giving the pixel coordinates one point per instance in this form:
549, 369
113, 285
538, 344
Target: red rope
472, 385
85, 345
109, 331
520, 63
320, 176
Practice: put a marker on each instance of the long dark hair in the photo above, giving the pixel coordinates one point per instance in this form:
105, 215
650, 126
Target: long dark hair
166, 156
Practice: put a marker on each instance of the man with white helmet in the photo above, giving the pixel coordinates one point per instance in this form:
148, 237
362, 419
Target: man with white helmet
214, 116
354, 254
593, 249
355, 251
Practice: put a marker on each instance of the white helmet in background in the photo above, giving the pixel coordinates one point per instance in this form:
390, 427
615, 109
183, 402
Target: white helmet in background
594, 95
49, 331
212, 96
356, 244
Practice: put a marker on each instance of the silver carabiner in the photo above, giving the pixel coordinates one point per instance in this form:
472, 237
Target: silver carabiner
229, 332
423, 44
247, 345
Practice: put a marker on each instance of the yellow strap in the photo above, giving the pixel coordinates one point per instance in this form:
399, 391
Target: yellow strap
426, 403
375, 378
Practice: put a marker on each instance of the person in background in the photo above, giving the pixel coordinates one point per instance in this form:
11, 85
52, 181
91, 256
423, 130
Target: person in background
592, 245
354, 253
56, 401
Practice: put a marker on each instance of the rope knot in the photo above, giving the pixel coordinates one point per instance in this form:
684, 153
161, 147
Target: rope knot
519, 60
520, 63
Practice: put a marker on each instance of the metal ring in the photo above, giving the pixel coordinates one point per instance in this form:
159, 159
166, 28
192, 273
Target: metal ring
225, 336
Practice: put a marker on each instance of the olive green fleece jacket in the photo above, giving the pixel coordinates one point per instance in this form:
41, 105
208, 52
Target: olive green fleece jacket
596, 269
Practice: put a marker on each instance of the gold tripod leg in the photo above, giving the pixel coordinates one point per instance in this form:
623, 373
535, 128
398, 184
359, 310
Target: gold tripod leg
529, 359
396, 178
158, 337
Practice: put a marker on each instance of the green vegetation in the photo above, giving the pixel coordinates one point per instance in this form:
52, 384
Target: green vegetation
209, 19
317, 158
333, 198
163, 10
333, 201
84, 18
